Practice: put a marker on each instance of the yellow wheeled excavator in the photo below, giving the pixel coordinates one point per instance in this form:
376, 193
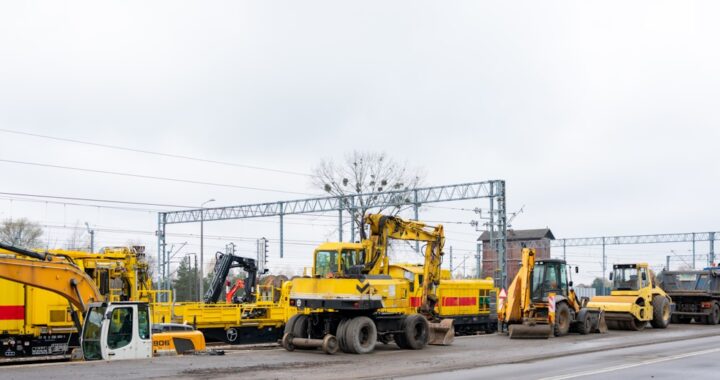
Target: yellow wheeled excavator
109, 330
353, 299
541, 302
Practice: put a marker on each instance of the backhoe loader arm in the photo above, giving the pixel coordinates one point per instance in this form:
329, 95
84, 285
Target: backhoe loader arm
57, 276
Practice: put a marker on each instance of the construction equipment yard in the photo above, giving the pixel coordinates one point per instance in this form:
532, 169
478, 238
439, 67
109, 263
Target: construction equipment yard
324, 189
684, 349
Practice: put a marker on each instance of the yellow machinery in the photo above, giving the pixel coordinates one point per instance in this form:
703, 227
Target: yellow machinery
36, 323
355, 298
241, 323
541, 302
110, 330
469, 303
635, 299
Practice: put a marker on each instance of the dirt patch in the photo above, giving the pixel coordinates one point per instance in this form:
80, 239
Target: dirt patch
202, 372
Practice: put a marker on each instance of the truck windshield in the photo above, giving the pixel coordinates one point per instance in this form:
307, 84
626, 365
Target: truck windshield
351, 257
325, 262
626, 279
91, 333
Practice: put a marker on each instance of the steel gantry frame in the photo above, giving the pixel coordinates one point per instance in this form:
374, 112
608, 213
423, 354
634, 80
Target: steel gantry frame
685, 237
493, 190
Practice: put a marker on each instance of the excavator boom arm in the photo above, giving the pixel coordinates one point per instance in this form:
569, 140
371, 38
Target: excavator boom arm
58, 277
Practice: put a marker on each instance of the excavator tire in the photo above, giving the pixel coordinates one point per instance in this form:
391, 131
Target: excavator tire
416, 331
661, 312
562, 319
400, 337
290, 323
300, 330
360, 335
340, 334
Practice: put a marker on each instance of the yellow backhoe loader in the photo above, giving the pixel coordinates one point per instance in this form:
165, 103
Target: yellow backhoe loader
109, 330
541, 302
635, 299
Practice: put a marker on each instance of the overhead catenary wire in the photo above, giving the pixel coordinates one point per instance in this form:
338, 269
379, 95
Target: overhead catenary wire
157, 178
143, 151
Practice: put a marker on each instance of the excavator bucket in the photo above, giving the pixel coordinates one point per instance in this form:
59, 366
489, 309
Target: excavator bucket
441, 333
602, 324
525, 331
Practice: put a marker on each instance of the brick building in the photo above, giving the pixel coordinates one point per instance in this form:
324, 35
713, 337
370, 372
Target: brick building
540, 239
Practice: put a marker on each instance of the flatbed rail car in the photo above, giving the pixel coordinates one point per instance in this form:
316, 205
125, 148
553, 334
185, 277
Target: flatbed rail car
696, 294
261, 321
36, 324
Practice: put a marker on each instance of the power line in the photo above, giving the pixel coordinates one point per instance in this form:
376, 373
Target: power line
154, 153
96, 200
151, 177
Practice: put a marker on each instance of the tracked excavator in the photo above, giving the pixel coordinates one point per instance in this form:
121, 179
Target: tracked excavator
109, 330
541, 302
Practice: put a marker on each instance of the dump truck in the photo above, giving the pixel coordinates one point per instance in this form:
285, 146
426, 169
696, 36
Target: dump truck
109, 330
696, 294
36, 324
355, 297
541, 302
635, 299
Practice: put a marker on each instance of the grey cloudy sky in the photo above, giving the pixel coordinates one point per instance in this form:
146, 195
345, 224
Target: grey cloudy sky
601, 115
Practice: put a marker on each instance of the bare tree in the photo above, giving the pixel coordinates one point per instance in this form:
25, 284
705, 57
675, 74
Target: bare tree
366, 173
79, 239
21, 233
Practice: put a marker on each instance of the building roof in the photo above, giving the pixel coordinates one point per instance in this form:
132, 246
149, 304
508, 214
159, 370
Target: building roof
519, 235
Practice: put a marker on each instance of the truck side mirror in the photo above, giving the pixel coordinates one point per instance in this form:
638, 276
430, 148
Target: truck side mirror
570, 284
611, 276
643, 276
577, 269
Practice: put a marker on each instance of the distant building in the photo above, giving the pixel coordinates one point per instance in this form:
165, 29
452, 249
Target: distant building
540, 239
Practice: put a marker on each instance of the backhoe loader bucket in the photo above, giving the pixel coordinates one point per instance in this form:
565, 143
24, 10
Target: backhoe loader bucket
525, 331
442, 333
602, 324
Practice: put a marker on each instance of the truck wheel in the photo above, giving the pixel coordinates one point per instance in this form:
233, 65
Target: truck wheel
562, 319
635, 324
416, 329
400, 337
661, 312
340, 334
360, 335
714, 317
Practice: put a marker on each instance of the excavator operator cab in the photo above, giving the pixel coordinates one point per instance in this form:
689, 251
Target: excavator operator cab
549, 276
117, 331
338, 260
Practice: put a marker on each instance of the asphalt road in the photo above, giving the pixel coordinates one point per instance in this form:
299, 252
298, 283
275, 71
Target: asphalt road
613, 355
691, 359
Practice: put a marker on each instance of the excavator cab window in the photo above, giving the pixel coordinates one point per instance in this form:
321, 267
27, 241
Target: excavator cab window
350, 258
121, 328
91, 333
325, 262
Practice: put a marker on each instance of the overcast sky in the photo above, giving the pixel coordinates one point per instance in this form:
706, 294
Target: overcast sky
601, 116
